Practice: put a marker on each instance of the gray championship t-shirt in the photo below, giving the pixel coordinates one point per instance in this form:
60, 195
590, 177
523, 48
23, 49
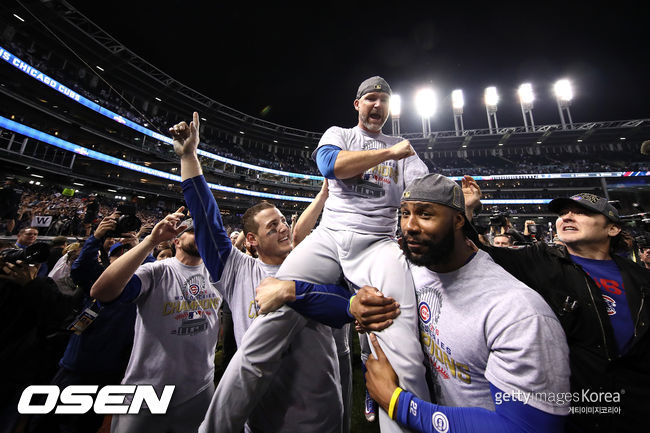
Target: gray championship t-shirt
241, 275
176, 329
367, 203
480, 325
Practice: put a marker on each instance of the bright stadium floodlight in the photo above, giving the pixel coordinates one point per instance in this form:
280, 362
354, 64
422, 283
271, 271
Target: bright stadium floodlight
395, 111
491, 100
563, 95
425, 103
457, 103
563, 90
526, 98
526, 95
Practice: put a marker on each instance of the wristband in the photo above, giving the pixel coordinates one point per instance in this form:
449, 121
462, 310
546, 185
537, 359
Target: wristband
350, 306
393, 402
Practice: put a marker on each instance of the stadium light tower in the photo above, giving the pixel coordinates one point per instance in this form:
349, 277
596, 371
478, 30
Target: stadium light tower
563, 95
457, 103
526, 98
425, 102
395, 111
491, 100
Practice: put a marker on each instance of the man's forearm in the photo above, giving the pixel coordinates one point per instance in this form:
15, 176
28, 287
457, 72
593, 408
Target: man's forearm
190, 166
308, 218
113, 280
350, 163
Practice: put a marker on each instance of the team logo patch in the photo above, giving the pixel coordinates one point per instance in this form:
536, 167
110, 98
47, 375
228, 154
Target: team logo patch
610, 304
425, 312
194, 289
440, 422
586, 196
406, 194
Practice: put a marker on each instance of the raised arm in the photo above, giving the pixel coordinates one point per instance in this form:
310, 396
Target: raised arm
353, 163
112, 281
308, 218
472, 194
212, 240
186, 143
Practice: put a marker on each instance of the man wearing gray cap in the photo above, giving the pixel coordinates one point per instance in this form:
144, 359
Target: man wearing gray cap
601, 300
176, 326
367, 172
497, 353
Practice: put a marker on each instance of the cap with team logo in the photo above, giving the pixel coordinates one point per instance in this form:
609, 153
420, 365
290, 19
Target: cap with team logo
373, 84
436, 188
189, 226
587, 201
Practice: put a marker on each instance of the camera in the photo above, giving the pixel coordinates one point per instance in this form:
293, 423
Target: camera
36, 253
127, 222
498, 219
643, 241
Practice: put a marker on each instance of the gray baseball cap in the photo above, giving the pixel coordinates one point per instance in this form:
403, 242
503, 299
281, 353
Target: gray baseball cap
588, 201
436, 188
373, 84
189, 226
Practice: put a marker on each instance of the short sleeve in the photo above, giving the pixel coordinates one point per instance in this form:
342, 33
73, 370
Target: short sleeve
530, 358
334, 136
147, 273
414, 168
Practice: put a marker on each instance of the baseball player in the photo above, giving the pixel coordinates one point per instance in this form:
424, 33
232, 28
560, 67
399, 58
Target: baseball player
498, 352
176, 326
367, 172
305, 391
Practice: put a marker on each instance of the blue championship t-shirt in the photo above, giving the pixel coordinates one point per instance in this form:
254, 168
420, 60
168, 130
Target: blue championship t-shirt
610, 282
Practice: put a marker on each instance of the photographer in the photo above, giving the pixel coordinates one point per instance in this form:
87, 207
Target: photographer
500, 225
98, 355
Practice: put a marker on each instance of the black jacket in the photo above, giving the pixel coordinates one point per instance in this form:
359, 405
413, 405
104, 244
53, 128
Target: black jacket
596, 365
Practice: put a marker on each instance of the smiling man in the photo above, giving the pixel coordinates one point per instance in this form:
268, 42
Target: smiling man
367, 172
600, 300
494, 348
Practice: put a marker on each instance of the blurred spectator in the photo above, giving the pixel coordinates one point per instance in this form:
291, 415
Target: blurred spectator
645, 257
26, 237
57, 246
165, 254
502, 240
10, 196
91, 213
60, 272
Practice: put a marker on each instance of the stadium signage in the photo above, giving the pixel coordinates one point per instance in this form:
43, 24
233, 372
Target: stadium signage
80, 399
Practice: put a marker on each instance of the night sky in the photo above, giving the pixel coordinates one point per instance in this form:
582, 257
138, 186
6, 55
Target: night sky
300, 67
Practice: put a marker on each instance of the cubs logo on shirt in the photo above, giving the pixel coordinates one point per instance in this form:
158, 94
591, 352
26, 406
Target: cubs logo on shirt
425, 312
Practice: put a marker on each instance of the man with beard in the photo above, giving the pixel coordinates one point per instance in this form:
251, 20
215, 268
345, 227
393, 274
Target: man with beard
176, 328
497, 353
367, 172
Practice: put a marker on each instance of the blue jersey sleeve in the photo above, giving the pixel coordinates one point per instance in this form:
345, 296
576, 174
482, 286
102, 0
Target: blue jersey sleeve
85, 270
508, 417
212, 241
328, 304
325, 159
